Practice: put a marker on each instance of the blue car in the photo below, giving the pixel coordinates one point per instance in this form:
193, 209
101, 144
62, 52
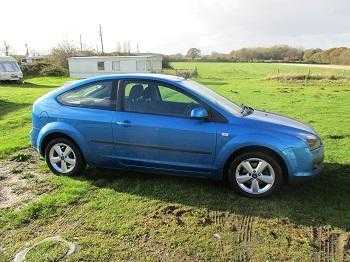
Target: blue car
168, 124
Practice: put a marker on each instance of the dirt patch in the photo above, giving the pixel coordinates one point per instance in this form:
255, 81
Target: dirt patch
170, 213
20, 180
160, 251
330, 245
337, 137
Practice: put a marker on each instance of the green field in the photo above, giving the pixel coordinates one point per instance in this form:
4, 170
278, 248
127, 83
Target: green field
115, 215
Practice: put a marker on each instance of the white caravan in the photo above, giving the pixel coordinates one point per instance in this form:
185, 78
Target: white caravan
9, 69
83, 67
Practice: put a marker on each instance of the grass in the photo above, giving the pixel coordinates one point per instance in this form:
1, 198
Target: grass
15, 110
47, 251
116, 215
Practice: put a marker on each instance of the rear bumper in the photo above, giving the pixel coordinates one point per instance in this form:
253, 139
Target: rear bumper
304, 163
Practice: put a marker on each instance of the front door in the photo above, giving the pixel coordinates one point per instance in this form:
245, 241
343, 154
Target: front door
154, 130
90, 109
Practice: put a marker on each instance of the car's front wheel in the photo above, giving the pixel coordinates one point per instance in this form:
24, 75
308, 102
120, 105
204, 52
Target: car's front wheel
63, 157
255, 174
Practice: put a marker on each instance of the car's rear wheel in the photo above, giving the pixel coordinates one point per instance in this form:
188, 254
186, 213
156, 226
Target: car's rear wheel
255, 174
63, 157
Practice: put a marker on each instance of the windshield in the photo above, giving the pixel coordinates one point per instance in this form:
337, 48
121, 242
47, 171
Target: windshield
213, 97
8, 67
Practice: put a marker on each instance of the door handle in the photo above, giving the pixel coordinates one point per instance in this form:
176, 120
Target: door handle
125, 123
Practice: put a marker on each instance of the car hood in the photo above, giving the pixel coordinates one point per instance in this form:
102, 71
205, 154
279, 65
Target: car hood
277, 119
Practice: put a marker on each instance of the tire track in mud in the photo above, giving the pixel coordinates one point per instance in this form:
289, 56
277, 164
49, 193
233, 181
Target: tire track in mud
245, 237
241, 226
246, 226
330, 245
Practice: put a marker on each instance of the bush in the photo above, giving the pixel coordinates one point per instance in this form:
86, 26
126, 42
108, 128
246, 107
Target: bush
43, 68
185, 73
54, 70
302, 77
34, 69
166, 62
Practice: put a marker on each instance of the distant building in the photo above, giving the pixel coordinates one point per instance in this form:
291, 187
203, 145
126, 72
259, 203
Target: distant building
82, 67
32, 59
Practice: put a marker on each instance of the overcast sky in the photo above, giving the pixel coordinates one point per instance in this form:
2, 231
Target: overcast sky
168, 27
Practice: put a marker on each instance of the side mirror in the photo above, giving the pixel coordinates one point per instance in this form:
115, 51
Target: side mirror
199, 113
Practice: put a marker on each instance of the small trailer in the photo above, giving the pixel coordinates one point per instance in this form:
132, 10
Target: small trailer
9, 69
83, 67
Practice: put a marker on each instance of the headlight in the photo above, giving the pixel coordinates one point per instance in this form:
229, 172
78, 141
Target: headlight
313, 141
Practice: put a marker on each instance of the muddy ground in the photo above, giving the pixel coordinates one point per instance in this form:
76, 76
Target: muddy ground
23, 178
20, 181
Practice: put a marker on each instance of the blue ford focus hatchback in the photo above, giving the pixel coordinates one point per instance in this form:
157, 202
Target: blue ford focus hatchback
161, 123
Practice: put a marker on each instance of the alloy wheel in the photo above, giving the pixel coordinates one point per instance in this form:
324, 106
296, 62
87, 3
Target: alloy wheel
62, 158
255, 176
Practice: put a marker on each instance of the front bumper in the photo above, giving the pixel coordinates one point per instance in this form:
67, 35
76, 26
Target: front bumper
304, 163
11, 77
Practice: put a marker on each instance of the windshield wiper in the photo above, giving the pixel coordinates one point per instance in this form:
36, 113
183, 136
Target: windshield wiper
246, 110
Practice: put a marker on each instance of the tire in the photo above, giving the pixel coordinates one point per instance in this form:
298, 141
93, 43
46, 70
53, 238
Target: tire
264, 177
68, 162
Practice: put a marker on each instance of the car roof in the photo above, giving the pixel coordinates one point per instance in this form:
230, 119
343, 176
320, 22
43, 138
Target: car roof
148, 76
7, 59
141, 76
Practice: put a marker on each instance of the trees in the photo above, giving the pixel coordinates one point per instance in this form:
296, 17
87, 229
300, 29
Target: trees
60, 54
277, 52
338, 55
193, 53
308, 53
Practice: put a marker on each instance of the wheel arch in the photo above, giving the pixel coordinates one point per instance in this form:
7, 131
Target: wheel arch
252, 148
54, 135
60, 129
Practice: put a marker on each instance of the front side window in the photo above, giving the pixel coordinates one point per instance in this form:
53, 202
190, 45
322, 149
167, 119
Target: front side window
215, 98
100, 66
97, 95
157, 98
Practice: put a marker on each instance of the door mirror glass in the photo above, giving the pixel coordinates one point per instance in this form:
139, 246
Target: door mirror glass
199, 113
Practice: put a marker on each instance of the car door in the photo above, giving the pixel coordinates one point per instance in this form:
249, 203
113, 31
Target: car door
154, 129
90, 109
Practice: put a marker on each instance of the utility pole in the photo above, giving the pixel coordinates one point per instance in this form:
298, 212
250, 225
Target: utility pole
137, 48
81, 44
27, 50
7, 48
101, 37
119, 47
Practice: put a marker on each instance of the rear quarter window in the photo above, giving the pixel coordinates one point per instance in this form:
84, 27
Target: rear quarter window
99, 95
